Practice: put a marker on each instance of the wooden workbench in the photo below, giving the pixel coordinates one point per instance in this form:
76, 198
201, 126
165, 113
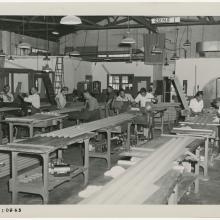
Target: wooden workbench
143, 183
106, 125
2, 111
43, 147
39, 120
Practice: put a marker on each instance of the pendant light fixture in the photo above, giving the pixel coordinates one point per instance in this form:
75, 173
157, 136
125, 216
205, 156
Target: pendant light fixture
70, 20
187, 42
156, 49
23, 45
107, 58
46, 58
128, 39
46, 68
175, 57
10, 56
166, 61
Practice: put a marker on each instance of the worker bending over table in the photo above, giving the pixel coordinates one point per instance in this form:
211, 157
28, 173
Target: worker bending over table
6, 95
196, 104
91, 109
61, 98
144, 100
111, 96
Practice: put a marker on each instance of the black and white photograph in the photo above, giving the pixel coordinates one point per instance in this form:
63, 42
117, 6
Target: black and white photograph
109, 109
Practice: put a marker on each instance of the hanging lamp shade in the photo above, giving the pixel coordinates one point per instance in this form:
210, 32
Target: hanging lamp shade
2, 54
174, 57
46, 58
187, 43
24, 45
128, 40
156, 50
55, 32
46, 68
74, 53
70, 20
166, 62
10, 58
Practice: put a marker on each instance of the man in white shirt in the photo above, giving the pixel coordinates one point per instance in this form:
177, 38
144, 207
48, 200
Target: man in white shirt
34, 100
143, 97
196, 104
124, 97
6, 95
61, 98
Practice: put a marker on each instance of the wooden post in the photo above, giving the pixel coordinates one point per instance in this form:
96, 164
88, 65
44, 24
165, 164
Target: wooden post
196, 190
1, 133
45, 158
108, 148
128, 144
31, 130
10, 132
206, 157
14, 177
86, 162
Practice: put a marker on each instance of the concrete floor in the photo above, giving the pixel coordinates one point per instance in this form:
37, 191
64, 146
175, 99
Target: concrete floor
67, 192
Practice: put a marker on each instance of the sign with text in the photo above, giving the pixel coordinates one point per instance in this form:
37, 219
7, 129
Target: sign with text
165, 20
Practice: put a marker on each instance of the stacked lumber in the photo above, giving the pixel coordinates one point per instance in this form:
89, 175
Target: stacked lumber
137, 183
74, 131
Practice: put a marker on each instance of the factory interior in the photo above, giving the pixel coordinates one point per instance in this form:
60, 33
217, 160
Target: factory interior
110, 110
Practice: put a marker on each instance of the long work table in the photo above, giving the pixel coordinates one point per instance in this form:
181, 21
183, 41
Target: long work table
152, 179
2, 111
38, 120
47, 143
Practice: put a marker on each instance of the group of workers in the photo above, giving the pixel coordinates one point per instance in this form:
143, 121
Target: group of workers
196, 104
33, 98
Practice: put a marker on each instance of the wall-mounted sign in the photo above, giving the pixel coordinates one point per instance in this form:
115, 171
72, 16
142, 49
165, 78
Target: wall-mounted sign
165, 20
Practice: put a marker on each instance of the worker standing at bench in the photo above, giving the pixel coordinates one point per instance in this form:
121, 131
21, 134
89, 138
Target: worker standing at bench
61, 98
91, 111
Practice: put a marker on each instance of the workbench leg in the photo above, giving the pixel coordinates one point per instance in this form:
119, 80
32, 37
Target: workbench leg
14, 178
1, 133
162, 123
174, 196
60, 154
31, 130
45, 178
61, 124
206, 157
10, 132
86, 162
128, 142
196, 190
108, 149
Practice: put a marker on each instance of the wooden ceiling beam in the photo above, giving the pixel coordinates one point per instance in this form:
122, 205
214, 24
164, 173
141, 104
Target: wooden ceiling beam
25, 21
147, 24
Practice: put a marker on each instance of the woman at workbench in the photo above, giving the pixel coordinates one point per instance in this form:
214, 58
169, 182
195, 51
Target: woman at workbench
144, 97
196, 104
